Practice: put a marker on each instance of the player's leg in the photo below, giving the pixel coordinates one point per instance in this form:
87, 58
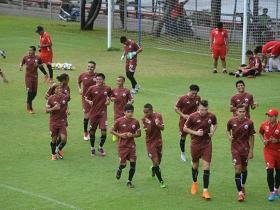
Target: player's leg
102, 142
237, 162
206, 178
223, 59
54, 134
123, 154
49, 66
182, 140
155, 153
42, 69
130, 76
3, 76
277, 60
131, 174
277, 182
85, 123
195, 154
92, 131
270, 64
215, 56
270, 165
63, 136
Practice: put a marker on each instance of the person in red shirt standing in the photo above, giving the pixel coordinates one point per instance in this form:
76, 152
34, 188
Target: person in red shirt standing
127, 129
240, 131
202, 126
98, 97
57, 107
32, 62
46, 52
219, 46
86, 80
153, 125
270, 136
131, 50
185, 106
242, 97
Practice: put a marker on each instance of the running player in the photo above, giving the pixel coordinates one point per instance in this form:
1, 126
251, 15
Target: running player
3, 54
153, 125
126, 129
270, 136
63, 80
240, 131
185, 106
202, 126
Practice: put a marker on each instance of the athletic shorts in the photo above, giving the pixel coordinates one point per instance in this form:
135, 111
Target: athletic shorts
100, 121
272, 158
131, 65
181, 127
203, 151
31, 84
127, 154
86, 106
56, 130
154, 150
240, 158
219, 52
47, 57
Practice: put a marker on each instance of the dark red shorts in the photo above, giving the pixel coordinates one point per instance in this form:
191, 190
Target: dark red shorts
218, 51
31, 84
86, 106
127, 154
181, 127
47, 57
57, 130
201, 151
240, 158
154, 150
272, 158
131, 65
100, 121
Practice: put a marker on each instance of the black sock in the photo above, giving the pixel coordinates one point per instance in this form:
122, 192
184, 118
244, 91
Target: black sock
33, 95
182, 144
62, 145
121, 167
50, 70
42, 69
244, 177
270, 179
58, 140
85, 125
131, 171
29, 99
102, 140
53, 148
194, 174
130, 76
238, 182
92, 139
206, 176
158, 173
277, 178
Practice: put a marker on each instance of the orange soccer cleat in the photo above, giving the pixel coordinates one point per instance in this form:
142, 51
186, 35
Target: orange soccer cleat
206, 195
60, 154
241, 197
194, 188
54, 157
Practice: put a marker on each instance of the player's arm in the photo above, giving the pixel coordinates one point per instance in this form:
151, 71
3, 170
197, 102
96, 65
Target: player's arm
107, 103
140, 49
50, 109
88, 97
232, 106
213, 128
253, 104
193, 132
80, 89
211, 41
179, 112
229, 132
159, 123
116, 133
21, 64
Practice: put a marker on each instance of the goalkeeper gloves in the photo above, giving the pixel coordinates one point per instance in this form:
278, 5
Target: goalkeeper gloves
130, 55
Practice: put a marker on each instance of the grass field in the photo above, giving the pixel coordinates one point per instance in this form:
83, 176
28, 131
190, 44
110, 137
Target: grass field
30, 180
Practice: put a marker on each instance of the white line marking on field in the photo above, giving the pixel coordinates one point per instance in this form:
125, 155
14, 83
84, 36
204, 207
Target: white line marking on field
38, 196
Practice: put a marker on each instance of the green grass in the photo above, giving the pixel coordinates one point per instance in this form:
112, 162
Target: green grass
29, 180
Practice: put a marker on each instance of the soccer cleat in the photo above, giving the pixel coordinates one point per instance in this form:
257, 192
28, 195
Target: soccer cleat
137, 88
276, 194
101, 151
194, 188
183, 157
118, 174
162, 185
271, 196
30, 111
129, 184
206, 195
93, 152
215, 71
86, 136
243, 190
60, 154
225, 71
133, 91
241, 197
54, 157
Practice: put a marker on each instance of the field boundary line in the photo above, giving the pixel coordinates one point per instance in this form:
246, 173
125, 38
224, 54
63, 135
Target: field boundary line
38, 196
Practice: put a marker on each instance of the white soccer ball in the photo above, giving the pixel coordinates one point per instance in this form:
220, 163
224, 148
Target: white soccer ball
59, 66
67, 66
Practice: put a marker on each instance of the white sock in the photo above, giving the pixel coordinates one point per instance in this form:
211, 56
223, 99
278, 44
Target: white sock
205, 190
270, 62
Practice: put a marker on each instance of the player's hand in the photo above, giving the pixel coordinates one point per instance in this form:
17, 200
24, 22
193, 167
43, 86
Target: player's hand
56, 107
90, 102
185, 116
157, 121
210, 134
113, 98
122, 58
230, 138
250, 155
107, 101
199, 132
273, 140
255, 105
20, 68
129, 135
123, 135
80, 91
265, 142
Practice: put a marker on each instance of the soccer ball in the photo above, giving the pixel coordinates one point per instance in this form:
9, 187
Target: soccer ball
67, 66
58, 66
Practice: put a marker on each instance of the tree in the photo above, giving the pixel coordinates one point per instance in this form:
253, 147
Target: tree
87, 24
216, 11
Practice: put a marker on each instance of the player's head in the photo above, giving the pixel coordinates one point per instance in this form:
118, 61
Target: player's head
220, 25
258, 49
148, 110
63, 78
100, 78
32, 50
40, 30
240, 111
58, 90
123, 40
240, 86
249, 53
272, 115
91, 66
128, 110
265, 11
120, 81
203, 107
194, 89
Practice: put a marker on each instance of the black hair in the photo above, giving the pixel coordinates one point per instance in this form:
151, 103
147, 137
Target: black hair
258, 49
239, 106
220, 25
122, 77
123, 39
92, 62
33, 48
239, 82
101, 75
128, 107
249, 52
204, 103
148, 106
62, 77
194, 87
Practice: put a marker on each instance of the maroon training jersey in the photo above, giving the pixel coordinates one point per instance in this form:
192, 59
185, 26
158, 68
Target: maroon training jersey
196, 122
124, 125
153, 133
58, 117
87, 79
31, 63
98, 95
131, 47
241, 131
242, 98
65, 90
187, 104
122, 97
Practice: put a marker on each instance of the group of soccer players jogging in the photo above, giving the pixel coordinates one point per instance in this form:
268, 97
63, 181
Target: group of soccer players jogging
194, 119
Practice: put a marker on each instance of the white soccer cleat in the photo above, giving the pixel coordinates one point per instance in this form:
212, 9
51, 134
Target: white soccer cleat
183, 157
86, 137
133, 91
137, 87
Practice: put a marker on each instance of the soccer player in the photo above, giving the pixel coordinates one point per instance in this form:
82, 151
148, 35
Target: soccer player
240, 131
153, 125
131, 50
126, 129
242, 97
120, 96
46, 53
57, 106
219, 46
32, 62
98, 97
3, 54
86, 80
202, 126
185, 106
63, 80
270, 136
266, 51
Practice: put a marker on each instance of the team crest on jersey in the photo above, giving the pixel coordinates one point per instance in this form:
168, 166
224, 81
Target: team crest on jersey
234, 125
238, 100
246, 99
85, 78
209, 121
188, 102
133, 126
276, 131
105, 93
129, 46
246, 126
28, 59
123, 125
96, 92
64, 102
